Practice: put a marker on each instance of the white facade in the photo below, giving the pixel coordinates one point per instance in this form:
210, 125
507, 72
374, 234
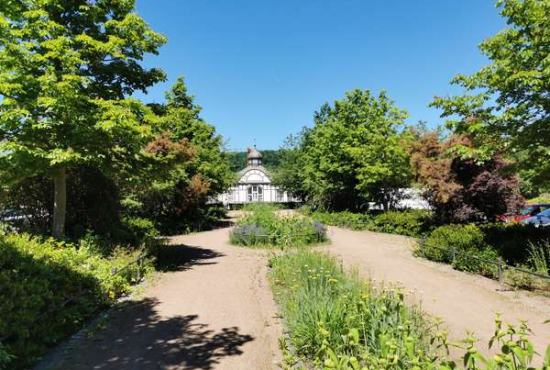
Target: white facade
254, 185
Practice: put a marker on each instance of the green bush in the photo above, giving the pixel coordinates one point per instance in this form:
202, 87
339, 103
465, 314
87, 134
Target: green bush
410, 223
460, 237
457, 244
261, 207
38, 279
139, 230
512, 244
263, 227
354, 221
512, 241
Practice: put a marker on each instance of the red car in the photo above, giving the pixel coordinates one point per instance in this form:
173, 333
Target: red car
529, 210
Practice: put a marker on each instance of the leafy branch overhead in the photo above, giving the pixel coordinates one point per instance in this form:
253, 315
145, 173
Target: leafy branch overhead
506, 105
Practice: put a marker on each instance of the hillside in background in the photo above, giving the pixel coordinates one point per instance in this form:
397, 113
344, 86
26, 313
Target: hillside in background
271, 160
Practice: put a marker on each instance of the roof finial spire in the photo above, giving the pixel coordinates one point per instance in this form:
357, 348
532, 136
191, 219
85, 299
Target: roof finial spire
254, 142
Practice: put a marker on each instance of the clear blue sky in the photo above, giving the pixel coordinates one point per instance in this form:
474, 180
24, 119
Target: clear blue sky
261, 68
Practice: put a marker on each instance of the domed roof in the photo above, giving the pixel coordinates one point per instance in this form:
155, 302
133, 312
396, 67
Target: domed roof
254, 153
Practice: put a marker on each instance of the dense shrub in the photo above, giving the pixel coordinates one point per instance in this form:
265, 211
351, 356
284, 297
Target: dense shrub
456, 244
464, 246
411, 222
512, 241
139, 230
263, 227
38, 279
355, 221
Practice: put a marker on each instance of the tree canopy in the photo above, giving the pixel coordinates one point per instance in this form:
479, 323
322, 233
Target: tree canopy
66, 71
506, 105
353, 155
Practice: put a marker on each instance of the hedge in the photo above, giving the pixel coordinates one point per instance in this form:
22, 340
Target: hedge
410, 222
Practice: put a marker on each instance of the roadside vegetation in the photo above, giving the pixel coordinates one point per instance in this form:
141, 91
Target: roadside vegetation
51, 288
337, 321
490, 156
89, 174
526, 247
262, 226
414, 223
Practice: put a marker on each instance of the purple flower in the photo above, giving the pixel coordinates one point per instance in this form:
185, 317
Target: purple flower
320, 228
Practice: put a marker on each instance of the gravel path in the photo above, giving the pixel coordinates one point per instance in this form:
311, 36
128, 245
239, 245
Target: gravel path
215, 311
464, 301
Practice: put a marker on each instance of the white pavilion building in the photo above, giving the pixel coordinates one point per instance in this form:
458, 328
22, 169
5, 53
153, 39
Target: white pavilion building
254, 185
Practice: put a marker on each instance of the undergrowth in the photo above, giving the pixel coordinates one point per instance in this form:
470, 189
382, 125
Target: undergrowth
49, 289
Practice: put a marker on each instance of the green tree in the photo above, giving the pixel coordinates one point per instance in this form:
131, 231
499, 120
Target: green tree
186, 166
66, 70
506, 105
289, 173
183, 120
355, 155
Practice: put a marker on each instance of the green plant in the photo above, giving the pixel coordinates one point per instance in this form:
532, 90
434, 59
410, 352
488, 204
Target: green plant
512, 241
50, 288
263, 227
140, 230
539, 257
515, 351
410, 223
5, 357
457, 244
338, 321
354, 221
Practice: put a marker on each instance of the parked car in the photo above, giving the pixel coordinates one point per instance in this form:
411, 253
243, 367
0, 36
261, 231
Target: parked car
11, 215
528, 211
541, 219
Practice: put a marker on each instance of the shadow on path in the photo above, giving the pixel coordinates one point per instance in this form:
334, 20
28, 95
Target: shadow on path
181, 257
138, 338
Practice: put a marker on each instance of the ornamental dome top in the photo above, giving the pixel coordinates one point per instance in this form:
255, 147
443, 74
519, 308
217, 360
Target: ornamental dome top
253, 153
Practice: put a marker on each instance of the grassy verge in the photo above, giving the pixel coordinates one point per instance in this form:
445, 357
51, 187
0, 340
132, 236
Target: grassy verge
337, 321
263, 227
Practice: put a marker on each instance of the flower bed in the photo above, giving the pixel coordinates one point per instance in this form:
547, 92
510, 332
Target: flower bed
263, 227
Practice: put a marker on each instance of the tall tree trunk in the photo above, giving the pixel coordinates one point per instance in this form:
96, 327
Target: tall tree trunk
60, 202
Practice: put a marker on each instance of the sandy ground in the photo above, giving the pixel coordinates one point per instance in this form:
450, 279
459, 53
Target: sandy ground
215, 311
464, 301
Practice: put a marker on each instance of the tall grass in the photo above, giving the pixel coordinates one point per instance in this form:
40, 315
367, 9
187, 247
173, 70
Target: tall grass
539, 257
337, 321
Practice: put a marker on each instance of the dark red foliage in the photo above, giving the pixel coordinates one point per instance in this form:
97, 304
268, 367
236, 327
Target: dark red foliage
463, 190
